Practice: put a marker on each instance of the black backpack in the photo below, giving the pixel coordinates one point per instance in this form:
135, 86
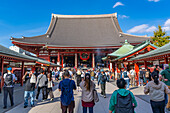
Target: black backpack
8, 80
124, 104
104, 78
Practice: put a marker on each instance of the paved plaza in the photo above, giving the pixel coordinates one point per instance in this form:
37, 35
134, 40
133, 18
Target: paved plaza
100, 107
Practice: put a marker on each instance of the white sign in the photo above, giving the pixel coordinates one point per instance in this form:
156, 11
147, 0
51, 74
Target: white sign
156, 62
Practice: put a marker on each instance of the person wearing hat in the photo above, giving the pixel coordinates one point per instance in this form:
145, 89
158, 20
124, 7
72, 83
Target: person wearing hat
102, 80
9, 80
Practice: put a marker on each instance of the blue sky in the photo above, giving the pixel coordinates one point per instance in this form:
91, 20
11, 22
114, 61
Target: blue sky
32, 17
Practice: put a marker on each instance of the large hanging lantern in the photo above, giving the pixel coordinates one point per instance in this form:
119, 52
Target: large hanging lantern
84, 56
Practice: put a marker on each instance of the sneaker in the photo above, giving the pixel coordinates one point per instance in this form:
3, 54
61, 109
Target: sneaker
25, 106
101, 95
32, 105
51, 99
104, 96
4, 107
36, 100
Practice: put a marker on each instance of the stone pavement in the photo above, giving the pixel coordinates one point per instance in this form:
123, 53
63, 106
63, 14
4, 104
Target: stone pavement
18, 94
100, 107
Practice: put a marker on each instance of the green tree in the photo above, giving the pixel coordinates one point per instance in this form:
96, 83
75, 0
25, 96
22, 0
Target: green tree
160, 39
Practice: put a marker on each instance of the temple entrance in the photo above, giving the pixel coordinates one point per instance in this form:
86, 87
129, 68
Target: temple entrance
69, 61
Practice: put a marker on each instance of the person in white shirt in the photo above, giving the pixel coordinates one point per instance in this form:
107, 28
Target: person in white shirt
132, 77
9, 80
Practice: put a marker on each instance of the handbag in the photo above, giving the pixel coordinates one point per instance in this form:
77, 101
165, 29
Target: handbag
33, 79
95, 95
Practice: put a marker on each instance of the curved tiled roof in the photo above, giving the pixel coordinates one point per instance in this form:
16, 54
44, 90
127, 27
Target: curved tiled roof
82, 31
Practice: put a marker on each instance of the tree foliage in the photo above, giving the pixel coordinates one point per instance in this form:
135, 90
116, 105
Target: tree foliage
160, 39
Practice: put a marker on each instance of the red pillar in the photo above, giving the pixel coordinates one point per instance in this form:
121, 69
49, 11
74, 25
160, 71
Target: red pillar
166, 60
93, 60
76, 65
58, 58
145, 64
49, 54
2, 71
22, 72
137, 70
58, 61
62, 61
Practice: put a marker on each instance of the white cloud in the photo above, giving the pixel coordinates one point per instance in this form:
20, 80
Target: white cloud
118, 4
151, 29
123, 16
153, 0
166, 26
167, 23
142, 28
138, 29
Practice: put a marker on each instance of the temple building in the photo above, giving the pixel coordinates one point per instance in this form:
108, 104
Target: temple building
78, 39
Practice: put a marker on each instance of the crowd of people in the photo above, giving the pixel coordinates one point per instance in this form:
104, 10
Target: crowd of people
157, 84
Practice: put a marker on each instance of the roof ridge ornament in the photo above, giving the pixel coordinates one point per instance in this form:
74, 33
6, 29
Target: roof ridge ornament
126, 41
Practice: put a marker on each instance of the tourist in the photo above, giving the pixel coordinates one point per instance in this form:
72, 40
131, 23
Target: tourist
125, 75
66, 87
102, 80
132, 76
53, 74
166, 75
30, 82
122, 100
141, 77
147, 75
9, 80
71, 73
156, 90
50, 85
87, 97
78, 76
41, 84
92, 74
108, 75
56, 75
82, 75
160, 69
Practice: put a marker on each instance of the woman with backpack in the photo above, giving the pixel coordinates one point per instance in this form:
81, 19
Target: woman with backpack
122, 100
125, 75
87, 97
156, 90
49, 87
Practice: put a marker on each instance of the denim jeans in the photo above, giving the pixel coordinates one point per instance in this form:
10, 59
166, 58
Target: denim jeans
127, 83
90, 109
8, 90
140, 81
28, 94
158, 107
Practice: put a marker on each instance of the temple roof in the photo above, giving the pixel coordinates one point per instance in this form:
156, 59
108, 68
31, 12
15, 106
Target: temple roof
122, 50
5, 52
135, 49
160, 51
82, 31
